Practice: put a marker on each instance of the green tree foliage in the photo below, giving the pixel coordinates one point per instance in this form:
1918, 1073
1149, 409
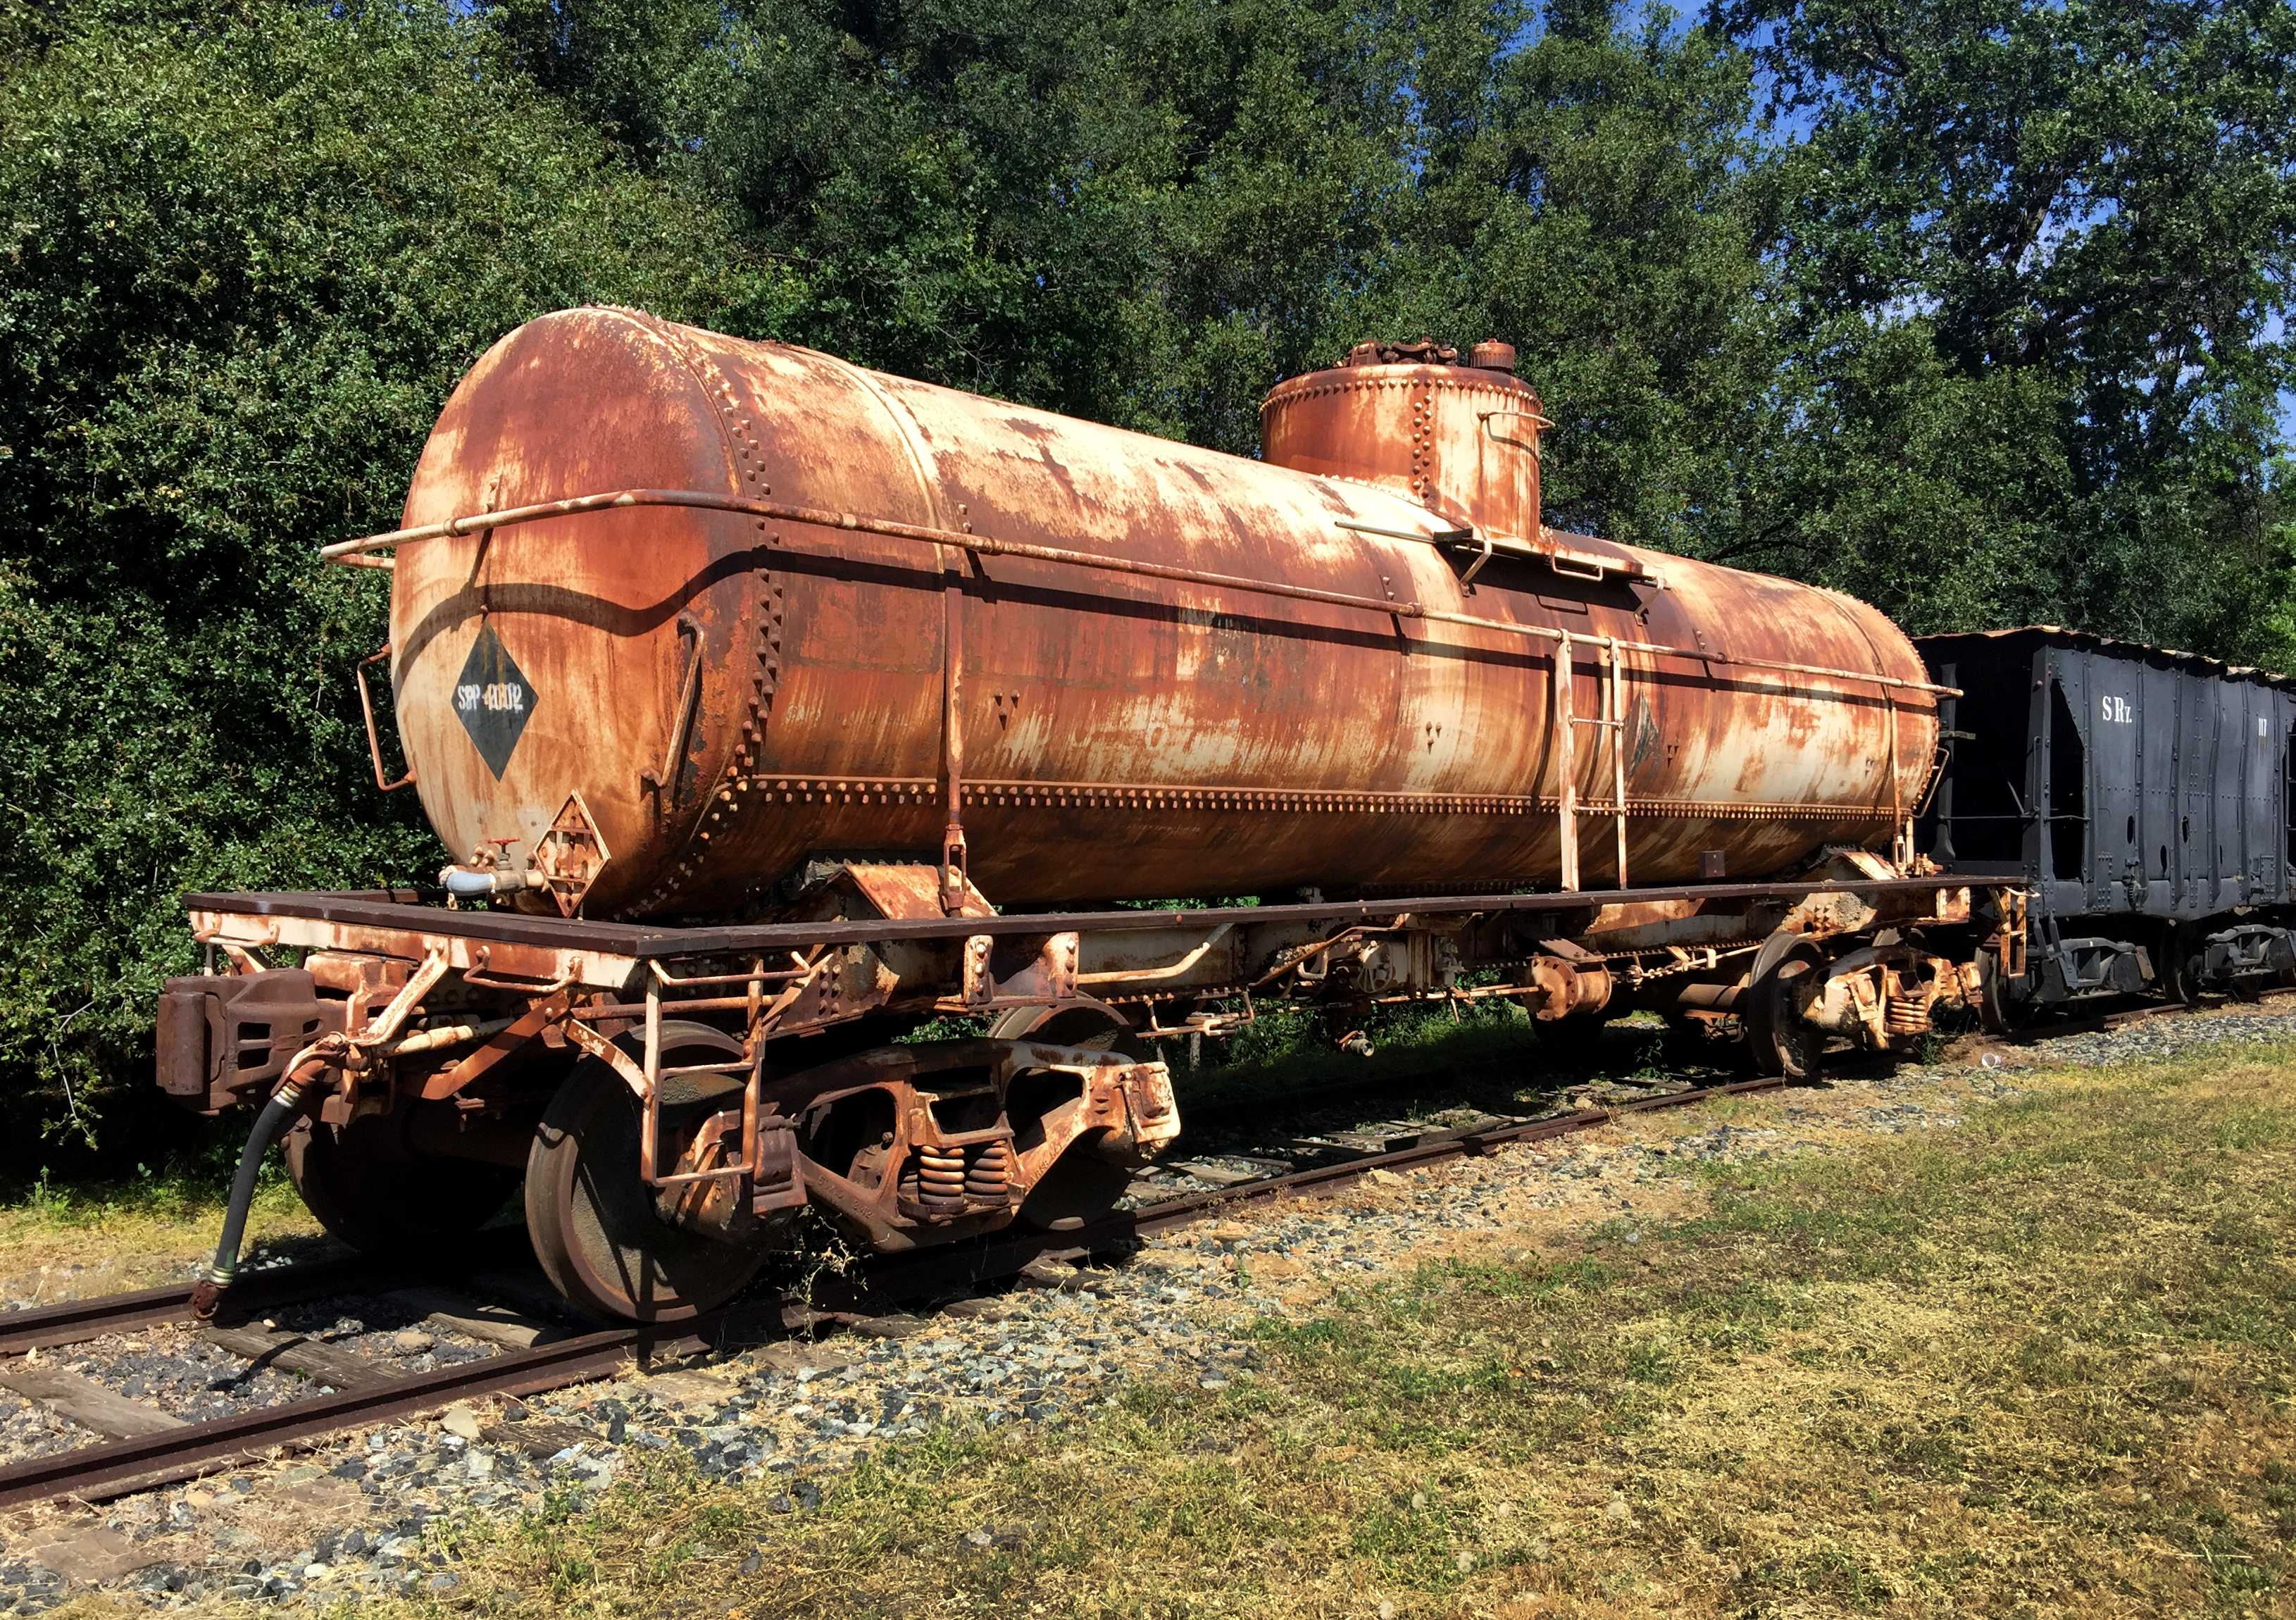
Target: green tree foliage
1151, 213
1612, 219
1141, 213
2056, 238
246, 257
1969, 305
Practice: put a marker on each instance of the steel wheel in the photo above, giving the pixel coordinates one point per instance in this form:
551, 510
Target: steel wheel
2179, 965
1999, 1010
1078, 1026
592, 1221
1779, 1041
375, 1193
1079, 1189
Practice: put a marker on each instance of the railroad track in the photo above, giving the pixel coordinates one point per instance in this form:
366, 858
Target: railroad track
124, 1466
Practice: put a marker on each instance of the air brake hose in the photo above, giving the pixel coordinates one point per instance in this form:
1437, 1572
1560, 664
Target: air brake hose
207, 1294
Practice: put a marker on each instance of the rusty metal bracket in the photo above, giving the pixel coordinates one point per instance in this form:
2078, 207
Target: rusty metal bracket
606, 1052
375, 742
402, 1005
513, 1035
1048, 971
1170, 970
1297, 957
1476, 566
1438, 537
1537, 422
1200, 1022
778, 1182
241, 959
476, 974
572, 854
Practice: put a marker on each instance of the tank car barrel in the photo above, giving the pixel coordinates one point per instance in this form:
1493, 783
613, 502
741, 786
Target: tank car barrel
799, 609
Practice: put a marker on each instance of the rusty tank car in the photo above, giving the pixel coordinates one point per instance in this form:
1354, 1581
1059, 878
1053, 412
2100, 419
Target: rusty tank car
729, 694
767, 706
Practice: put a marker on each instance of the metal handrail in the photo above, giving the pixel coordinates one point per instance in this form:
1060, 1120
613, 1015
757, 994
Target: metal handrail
374, 741
666, 779
985, 545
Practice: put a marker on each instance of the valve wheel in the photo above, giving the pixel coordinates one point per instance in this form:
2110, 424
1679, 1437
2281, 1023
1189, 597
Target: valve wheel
593, 1221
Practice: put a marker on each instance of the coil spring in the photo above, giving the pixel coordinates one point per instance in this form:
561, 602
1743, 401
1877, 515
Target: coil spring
949, 1178
1907, 1016
940, 1177
989, 1178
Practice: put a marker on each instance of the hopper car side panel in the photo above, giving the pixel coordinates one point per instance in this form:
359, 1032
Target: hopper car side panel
2140, 794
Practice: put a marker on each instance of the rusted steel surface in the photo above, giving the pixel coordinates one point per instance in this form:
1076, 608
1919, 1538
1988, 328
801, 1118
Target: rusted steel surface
99, 1472
1120, 734
940, 1159
1553, 545
496, 948
1460, 439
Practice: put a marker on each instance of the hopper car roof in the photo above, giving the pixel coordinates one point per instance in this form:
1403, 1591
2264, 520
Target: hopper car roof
2028, 635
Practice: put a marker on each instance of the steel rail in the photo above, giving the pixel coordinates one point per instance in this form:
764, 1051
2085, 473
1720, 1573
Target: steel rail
122, 1467
101, 1472
1325, 1180
822, 517
76, 1322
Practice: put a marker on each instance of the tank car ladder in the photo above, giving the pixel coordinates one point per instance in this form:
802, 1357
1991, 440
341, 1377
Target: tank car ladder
748, 1068
1613, 718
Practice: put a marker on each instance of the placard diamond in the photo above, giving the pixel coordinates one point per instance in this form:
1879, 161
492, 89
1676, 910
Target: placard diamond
493, 700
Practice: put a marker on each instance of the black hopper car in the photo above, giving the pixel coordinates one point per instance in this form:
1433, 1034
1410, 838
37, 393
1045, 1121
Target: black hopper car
2142, 798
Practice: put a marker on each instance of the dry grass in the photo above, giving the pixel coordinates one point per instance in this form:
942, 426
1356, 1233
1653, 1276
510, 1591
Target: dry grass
2037, 1366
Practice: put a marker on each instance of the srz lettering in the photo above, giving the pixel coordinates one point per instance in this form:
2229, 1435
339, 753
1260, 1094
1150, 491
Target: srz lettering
502, 696
2117, 710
